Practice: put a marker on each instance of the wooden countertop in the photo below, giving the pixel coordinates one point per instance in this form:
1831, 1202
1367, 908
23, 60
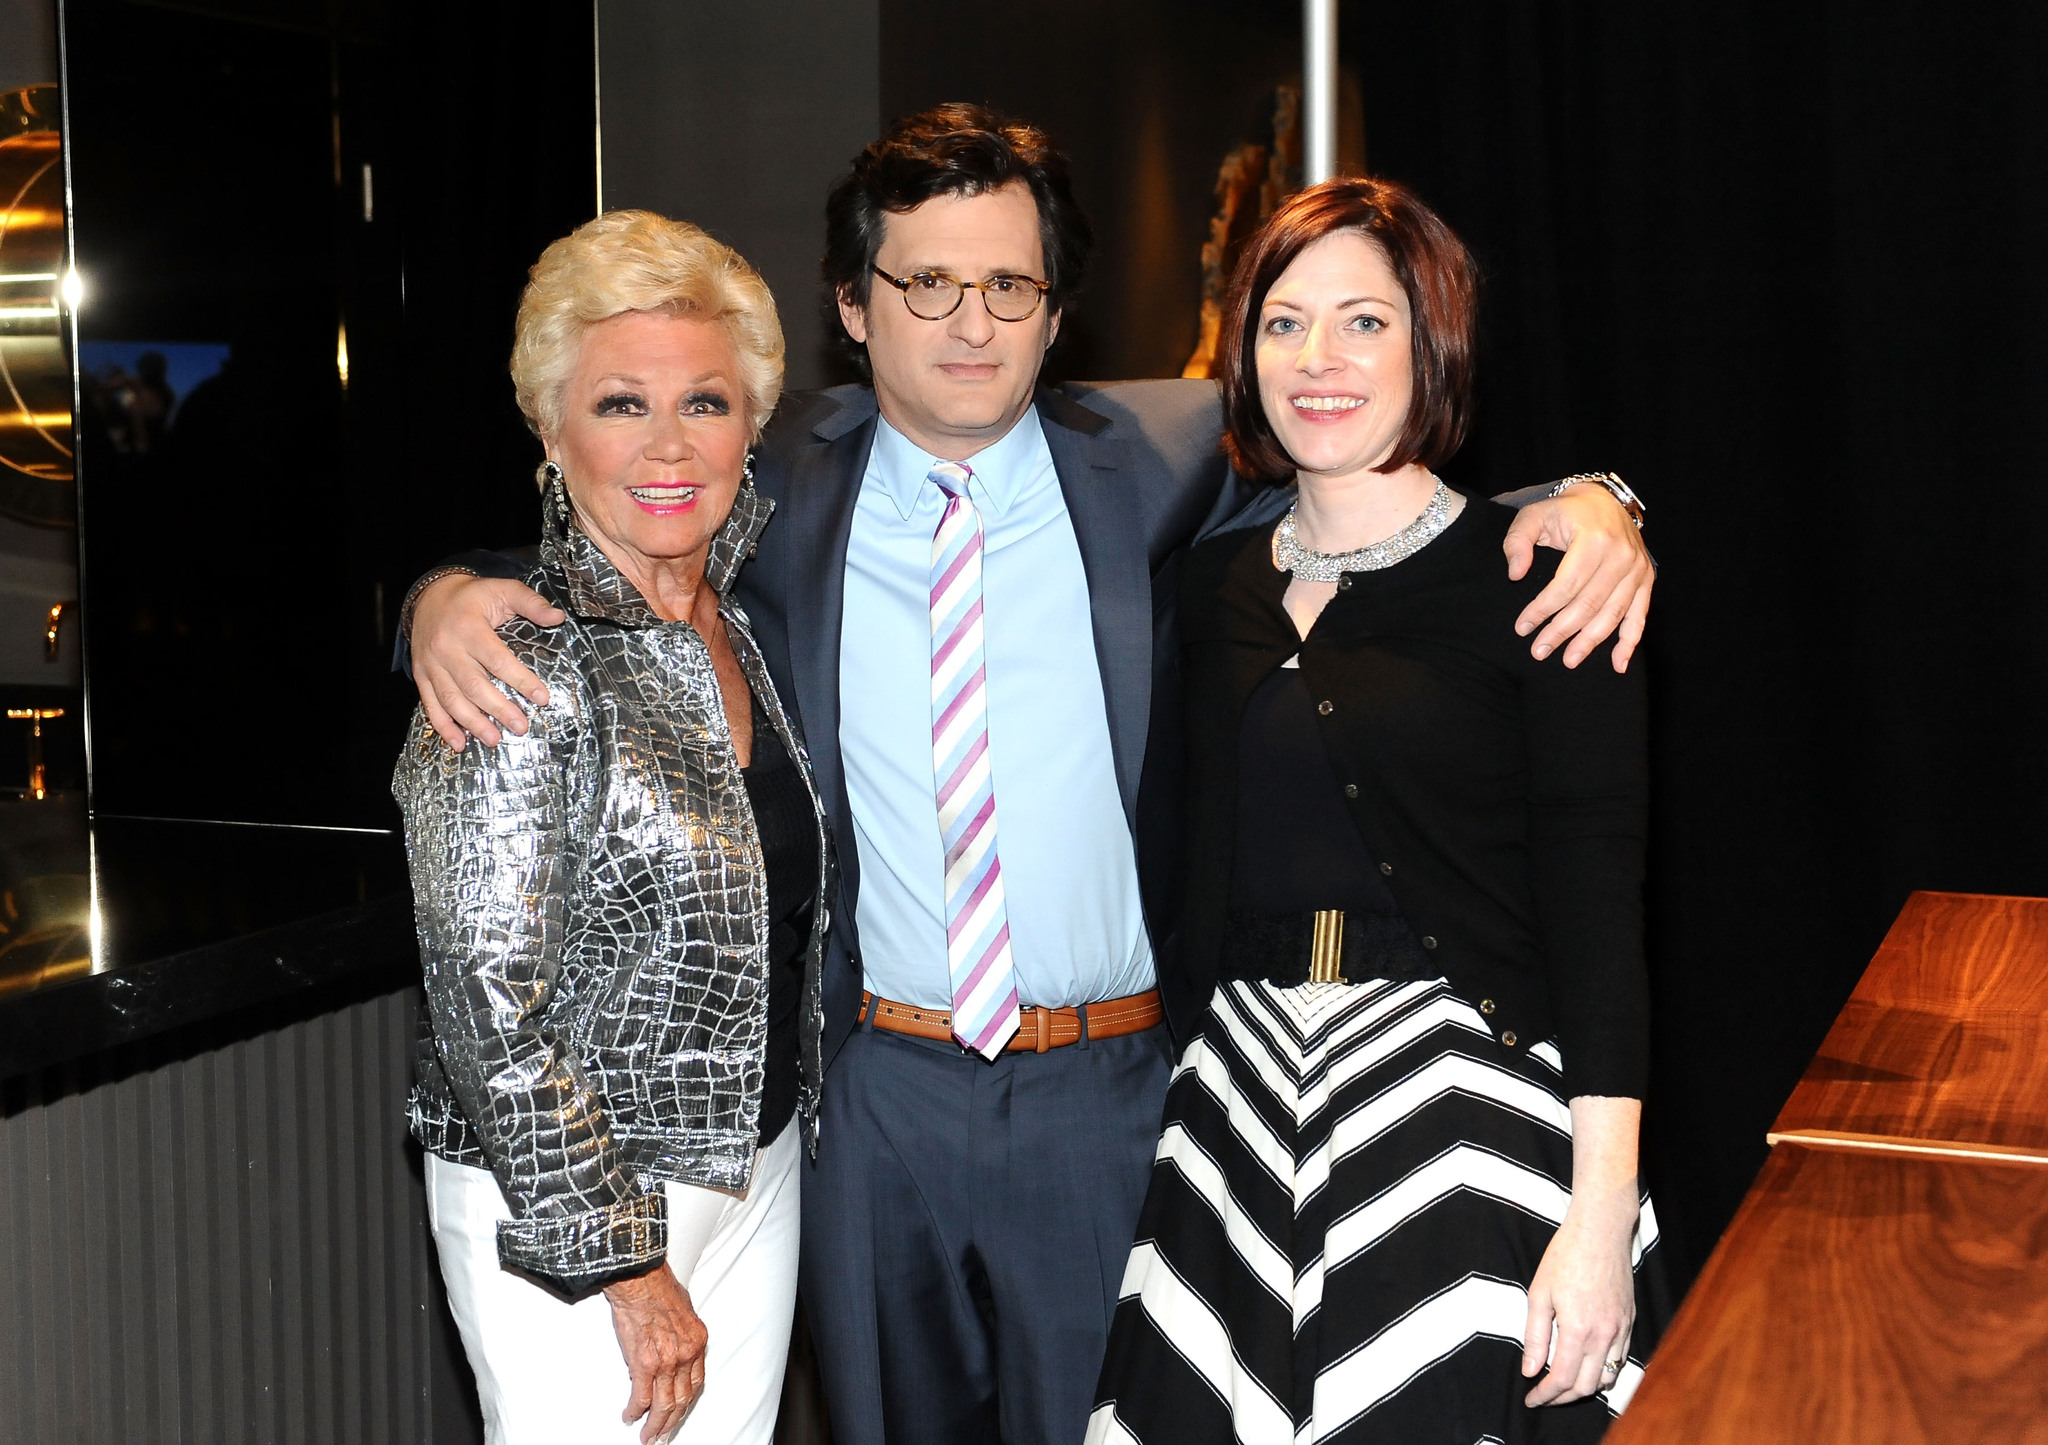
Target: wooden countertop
1862, 1297
1943, 1046
1886, 1279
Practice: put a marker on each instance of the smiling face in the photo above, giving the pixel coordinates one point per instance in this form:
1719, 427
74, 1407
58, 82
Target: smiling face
1335, 375
653, 440
957, 385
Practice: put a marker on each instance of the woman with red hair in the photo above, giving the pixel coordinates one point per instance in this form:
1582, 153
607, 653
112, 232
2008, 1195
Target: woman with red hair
1395, 1198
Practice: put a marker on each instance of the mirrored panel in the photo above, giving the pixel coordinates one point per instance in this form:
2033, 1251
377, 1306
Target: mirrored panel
236, 531
257, 278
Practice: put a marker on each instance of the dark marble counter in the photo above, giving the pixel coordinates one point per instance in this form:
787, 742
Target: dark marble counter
363, 944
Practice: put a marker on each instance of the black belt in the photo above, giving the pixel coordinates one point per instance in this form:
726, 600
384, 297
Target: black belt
1323, 947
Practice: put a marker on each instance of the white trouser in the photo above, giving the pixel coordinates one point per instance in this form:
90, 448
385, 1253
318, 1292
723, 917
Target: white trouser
550, 1373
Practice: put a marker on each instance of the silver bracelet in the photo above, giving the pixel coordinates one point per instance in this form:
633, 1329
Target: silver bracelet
1620, 490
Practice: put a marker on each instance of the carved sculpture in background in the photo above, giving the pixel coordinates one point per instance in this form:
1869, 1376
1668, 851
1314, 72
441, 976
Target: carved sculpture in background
1251, 183
1253, 180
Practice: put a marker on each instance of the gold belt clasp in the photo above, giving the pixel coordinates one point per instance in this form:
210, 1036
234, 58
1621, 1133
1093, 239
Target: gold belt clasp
1326, 949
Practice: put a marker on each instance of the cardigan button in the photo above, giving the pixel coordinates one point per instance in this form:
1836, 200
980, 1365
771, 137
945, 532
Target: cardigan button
1428, 940
1508, 1038
1486, 1005
1351, 790
1326, 707
1388, 869
1343, 584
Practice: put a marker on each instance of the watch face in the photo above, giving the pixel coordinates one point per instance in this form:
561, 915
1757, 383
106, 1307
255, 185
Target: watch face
35, 374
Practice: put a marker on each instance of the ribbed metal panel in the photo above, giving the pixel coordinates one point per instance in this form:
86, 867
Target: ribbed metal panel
225, 1249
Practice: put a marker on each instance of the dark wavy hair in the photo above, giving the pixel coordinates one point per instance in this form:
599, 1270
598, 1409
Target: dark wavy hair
1442, 285
950, 150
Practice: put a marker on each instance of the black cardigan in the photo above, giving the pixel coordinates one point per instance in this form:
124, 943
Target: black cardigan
1506, 798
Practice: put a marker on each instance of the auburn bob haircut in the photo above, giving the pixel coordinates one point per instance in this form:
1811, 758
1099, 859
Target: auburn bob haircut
1442, 285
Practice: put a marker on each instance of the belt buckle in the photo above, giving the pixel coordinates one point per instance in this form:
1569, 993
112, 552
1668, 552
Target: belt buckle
1326, 947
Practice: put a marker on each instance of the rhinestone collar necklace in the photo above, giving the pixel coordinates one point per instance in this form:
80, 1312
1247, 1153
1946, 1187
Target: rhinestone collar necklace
1309, 565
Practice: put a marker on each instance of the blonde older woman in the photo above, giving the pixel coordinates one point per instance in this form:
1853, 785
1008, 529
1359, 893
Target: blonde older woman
620, 912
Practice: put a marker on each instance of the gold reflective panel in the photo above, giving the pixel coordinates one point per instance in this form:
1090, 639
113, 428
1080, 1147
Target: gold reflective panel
35, 377
45, 893
45, 932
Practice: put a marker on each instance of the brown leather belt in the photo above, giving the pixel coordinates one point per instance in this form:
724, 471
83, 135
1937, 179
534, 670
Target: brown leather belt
1041, 1029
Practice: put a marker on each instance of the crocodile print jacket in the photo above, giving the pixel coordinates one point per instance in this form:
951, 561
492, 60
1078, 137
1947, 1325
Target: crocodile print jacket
592, 912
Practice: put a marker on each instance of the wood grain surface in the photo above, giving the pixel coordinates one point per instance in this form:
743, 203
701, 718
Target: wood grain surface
1945, 1040
1862, 1298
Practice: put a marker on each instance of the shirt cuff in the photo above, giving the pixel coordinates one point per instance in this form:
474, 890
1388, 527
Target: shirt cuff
412, 596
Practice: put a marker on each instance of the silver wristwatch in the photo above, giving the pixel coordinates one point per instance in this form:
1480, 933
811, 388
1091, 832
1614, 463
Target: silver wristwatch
1622, 492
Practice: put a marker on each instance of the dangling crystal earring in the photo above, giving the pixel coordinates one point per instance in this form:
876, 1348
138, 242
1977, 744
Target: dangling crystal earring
556, 509
747, 471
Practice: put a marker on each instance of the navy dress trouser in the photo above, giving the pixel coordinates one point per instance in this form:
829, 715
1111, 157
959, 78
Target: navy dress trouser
965, 1231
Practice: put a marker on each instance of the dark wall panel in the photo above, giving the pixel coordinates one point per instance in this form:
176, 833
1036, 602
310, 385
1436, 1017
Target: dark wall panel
227, 1249
490, 129
739, 118
28, 43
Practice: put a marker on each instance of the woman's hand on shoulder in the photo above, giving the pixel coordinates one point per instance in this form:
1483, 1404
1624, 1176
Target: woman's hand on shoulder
456, 651
663, 1340
1602, 587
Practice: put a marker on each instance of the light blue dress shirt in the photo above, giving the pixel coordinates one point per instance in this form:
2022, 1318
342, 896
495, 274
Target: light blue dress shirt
1077, 929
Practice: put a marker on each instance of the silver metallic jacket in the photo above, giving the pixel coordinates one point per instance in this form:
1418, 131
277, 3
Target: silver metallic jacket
592, 910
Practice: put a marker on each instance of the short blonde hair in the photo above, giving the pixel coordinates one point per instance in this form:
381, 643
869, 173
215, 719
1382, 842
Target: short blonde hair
638, 261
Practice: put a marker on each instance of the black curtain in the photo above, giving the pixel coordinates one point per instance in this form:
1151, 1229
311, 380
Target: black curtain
1779, 264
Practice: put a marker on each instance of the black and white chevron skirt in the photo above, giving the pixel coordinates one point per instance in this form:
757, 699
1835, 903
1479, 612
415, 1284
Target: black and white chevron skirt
1354, 1186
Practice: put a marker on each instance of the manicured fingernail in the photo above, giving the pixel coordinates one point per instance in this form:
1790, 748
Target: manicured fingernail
1542, 649
1523, 629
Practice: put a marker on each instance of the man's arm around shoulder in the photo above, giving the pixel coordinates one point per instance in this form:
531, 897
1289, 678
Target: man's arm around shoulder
454, 619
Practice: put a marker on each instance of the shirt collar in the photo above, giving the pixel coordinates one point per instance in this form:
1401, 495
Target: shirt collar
900, 466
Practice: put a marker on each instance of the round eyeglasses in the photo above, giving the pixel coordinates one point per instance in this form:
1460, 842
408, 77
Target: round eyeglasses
933, 295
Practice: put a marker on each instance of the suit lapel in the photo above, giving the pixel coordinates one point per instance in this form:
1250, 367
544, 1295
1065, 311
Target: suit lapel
1103, 502
824, 484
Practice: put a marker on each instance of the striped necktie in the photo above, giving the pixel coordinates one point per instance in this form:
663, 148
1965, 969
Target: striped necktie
977, 921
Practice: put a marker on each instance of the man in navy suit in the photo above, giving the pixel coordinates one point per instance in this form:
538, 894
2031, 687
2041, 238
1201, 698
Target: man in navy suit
994, 1045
